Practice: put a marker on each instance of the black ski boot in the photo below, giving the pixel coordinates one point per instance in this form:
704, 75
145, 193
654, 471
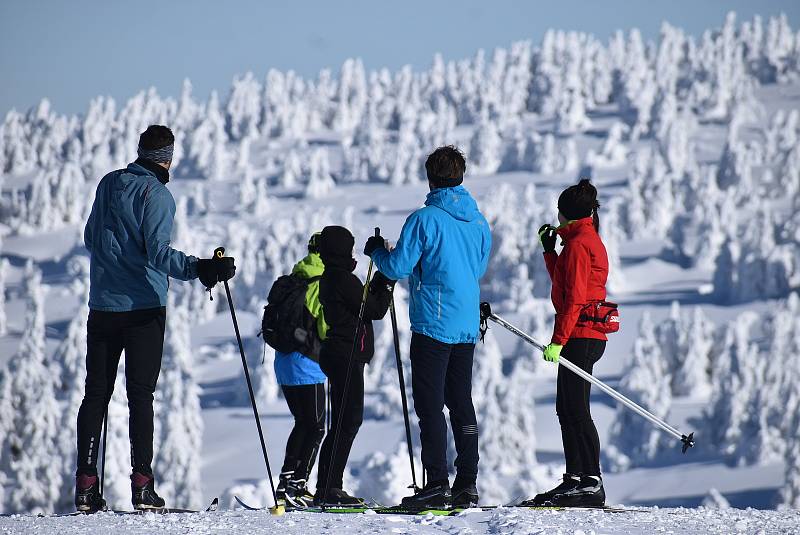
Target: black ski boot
464, 493
569, 482
87, 494
143, 492
297, 494
336, 498
588, 493
435, 495
280, 490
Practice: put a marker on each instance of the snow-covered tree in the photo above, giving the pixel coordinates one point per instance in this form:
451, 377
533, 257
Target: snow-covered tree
320, 181
3, 318
180, 427
633, 440
30, 414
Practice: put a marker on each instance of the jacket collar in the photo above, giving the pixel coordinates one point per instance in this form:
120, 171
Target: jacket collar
573, 228
155, 169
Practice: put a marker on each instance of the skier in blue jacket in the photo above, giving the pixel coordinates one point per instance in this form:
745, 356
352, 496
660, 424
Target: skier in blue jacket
128, 238
443, 249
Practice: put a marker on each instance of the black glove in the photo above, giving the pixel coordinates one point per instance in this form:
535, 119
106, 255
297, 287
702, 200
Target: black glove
207, 272
381, 282
374, 243
226, 268
214, 270
547, 235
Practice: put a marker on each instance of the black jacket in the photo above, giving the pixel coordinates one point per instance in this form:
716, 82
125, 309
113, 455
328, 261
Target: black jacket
340, 293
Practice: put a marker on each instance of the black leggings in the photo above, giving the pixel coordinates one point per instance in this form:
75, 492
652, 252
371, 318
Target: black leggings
307, 405
578, 433
141, 334
352, 408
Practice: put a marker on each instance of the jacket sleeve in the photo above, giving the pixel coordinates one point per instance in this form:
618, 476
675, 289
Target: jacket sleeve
550, 262
88, 237
159, 212
400, 262
577, 267
315, 308
352, 291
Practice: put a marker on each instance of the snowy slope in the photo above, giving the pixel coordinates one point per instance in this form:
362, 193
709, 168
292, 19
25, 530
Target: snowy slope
501, 521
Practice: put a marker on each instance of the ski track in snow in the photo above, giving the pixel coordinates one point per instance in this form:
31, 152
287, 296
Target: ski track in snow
501, 522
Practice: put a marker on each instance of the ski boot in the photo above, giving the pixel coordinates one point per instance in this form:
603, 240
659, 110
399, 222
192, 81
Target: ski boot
435, 495
337, 498
297, 495
588, 493
569, 482
143, 492
465, 493
280, 490
87, 494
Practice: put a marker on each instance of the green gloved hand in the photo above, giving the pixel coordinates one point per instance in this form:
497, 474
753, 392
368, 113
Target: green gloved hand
552, 352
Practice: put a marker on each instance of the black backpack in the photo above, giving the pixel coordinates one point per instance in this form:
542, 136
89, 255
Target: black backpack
287, 324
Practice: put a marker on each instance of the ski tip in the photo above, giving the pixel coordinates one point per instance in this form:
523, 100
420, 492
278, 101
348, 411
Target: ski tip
278, 510
214, 505
688, 442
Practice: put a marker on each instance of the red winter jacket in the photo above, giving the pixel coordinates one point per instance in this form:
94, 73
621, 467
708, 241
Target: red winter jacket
579, 276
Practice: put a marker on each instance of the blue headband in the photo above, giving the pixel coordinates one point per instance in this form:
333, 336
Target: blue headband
162, 155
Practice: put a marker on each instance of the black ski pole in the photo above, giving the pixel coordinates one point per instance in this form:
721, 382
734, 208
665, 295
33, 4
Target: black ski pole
277, 509
403, 398
346, 387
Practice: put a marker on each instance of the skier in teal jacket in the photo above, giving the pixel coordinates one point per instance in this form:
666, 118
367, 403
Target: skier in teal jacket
444, 250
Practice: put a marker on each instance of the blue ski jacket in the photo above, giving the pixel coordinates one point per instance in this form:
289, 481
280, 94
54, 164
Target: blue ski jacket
128, 237
443, 249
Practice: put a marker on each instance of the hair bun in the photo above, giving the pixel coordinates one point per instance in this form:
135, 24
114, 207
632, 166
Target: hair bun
584, 183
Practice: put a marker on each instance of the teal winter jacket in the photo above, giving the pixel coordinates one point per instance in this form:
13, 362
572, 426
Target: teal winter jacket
443, 249
128, 237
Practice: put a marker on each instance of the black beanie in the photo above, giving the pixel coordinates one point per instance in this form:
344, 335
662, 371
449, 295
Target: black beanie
336, 243
578, 201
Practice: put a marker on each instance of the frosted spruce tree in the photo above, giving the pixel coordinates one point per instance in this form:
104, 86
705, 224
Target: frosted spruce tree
632, 439
29, 413
320, 181
3, 319
180, 427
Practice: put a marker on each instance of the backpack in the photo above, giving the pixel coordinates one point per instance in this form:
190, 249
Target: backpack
287, 325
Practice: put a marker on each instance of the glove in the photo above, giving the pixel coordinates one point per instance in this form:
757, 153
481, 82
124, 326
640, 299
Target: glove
207, 272
380, 281
374, 243
547, 235
226, 268
552, 352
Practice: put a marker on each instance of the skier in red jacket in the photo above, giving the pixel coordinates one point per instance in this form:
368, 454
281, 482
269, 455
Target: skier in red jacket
579, 276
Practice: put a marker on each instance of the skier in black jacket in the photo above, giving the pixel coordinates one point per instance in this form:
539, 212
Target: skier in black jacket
340, 293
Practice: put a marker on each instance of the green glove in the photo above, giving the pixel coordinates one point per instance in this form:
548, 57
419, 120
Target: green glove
552, 352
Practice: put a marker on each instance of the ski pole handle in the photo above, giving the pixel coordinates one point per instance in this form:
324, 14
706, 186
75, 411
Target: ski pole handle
219, 252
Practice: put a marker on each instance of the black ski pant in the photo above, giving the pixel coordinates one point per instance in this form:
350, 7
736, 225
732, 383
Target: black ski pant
350, 405
578, 432
140, 333
307, 405
441, 374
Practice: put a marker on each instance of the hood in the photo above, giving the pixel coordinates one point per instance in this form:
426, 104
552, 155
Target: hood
310, 266
455, 201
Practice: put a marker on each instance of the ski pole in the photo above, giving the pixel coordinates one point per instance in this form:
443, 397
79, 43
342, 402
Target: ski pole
339, 420
402, 381
687, 440
219, 252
